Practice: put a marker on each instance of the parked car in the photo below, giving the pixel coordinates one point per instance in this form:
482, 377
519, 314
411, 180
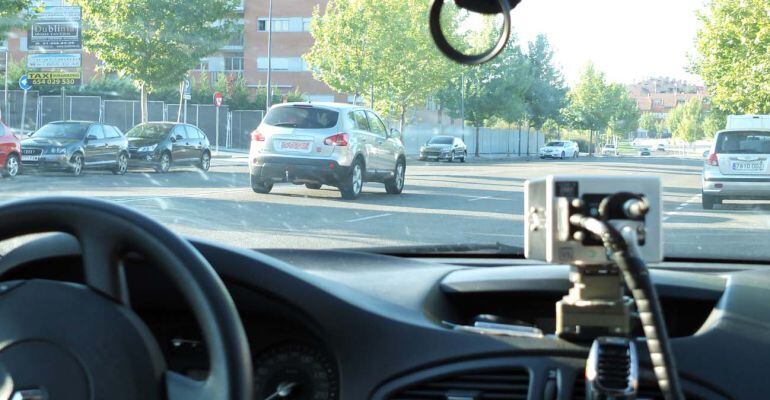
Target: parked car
160, 145
645, 151
661, 147
10, 152
447, 148
610, 150
75, 145
737, 167
560, 149
706, 153
333, 144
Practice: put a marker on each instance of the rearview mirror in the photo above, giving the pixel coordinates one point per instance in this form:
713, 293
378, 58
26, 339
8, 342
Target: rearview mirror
91, 137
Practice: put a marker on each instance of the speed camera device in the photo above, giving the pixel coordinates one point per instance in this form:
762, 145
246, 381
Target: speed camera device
550, 203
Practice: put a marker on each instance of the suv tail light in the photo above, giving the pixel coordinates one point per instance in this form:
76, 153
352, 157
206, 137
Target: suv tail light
340, 139
257, 136
713, 160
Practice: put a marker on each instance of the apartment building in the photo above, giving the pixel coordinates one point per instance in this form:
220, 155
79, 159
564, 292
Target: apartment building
246, 54
660, 95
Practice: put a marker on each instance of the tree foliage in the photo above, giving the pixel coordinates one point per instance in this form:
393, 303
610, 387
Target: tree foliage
648, 122
155, 42
12, 15
545, 96
733, 45
686, 121
596, 105
361, 45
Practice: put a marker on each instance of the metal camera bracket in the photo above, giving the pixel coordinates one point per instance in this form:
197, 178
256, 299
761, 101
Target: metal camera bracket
595, 305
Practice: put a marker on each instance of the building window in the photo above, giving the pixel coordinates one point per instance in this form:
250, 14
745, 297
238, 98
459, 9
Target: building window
657, 102
306, 24
279, 25
282, 64
233, 63
236, 41
23, 43
204, 66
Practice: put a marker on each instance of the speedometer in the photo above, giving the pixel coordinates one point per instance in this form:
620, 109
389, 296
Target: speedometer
295, 372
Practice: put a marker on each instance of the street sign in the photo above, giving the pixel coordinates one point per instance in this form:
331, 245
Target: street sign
218, 98
24, 83
54, 61
53, 78
187, 91
56, 28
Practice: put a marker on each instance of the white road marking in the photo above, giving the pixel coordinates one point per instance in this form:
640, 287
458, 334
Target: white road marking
369, 217
193, 194
495, 234
689, 201
486, 198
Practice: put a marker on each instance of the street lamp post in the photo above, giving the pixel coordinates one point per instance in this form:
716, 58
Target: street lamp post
269, 53
462, 104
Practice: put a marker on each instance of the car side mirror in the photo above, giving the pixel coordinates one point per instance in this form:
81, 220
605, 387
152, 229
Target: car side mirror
91, 137
395, 133
178, 137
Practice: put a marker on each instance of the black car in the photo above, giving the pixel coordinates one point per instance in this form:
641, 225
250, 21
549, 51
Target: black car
447, 148
161, 144
76, 145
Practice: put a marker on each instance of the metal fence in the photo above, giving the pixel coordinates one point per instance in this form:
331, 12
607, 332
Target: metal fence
490, 141
242, 123
125, 114
204, 116
81, 108
16, 103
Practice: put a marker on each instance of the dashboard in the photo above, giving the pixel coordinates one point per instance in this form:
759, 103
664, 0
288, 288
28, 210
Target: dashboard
357, 325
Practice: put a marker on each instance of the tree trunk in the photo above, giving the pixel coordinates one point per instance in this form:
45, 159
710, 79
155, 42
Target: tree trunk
143, 101
529, 129
402, 121
591, 143
518, 134
478, 136
508, 140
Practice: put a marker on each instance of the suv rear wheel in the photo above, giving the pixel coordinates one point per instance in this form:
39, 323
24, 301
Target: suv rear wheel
395, 185
354, 182
260, 186
708, 201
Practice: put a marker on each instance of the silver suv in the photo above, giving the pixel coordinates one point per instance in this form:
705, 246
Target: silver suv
738, 167
332, 144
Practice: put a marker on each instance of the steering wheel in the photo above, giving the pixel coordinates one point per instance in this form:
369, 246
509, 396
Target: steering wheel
71, 341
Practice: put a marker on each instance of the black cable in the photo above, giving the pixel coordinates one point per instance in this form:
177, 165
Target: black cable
637, 278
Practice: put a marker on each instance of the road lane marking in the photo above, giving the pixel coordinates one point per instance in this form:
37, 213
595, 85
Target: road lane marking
495, 234
486, 198
369, 217
180, 195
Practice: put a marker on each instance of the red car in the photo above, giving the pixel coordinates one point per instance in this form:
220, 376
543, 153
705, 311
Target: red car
10, 152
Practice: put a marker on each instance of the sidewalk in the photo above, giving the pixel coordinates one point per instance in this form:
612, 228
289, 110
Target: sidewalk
230, 153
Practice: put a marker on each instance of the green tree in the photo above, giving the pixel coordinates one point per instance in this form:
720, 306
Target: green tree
156, 42
552, 128
648, 122
686, 121
625, 115
713, 123
355, 51
589, 104
545, 96
494, 90
733, 48
12, 15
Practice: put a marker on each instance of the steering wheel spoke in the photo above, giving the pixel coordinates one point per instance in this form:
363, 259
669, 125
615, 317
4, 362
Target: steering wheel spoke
102, 266
180, 387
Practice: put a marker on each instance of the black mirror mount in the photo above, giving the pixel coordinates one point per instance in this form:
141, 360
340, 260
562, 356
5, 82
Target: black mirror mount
90, 137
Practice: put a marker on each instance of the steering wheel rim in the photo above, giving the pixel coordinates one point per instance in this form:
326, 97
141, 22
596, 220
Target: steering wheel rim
107, 231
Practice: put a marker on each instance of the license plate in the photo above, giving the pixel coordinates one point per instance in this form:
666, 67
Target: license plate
294, 146
749, 166
29, 158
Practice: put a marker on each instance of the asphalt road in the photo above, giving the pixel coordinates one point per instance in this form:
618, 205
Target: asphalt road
476, 202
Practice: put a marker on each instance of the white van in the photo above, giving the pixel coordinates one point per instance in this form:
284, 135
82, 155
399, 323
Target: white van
748, 122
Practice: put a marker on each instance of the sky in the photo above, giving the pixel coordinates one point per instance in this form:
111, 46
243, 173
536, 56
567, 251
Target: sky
627, 40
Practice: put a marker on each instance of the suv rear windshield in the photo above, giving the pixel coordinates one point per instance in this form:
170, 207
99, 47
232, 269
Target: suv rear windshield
555, 144
441, 140
302, 117
744, 142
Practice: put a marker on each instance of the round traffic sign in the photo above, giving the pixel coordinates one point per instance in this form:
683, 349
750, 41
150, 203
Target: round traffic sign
218, 98
24, 83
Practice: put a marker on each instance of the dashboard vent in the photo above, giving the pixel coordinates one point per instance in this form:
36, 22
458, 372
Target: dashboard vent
648, 390
489, 384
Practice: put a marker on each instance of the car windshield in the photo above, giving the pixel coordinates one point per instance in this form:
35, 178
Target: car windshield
302, 117
149, 131
313, 127
441, 140
744, 142
62, 131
